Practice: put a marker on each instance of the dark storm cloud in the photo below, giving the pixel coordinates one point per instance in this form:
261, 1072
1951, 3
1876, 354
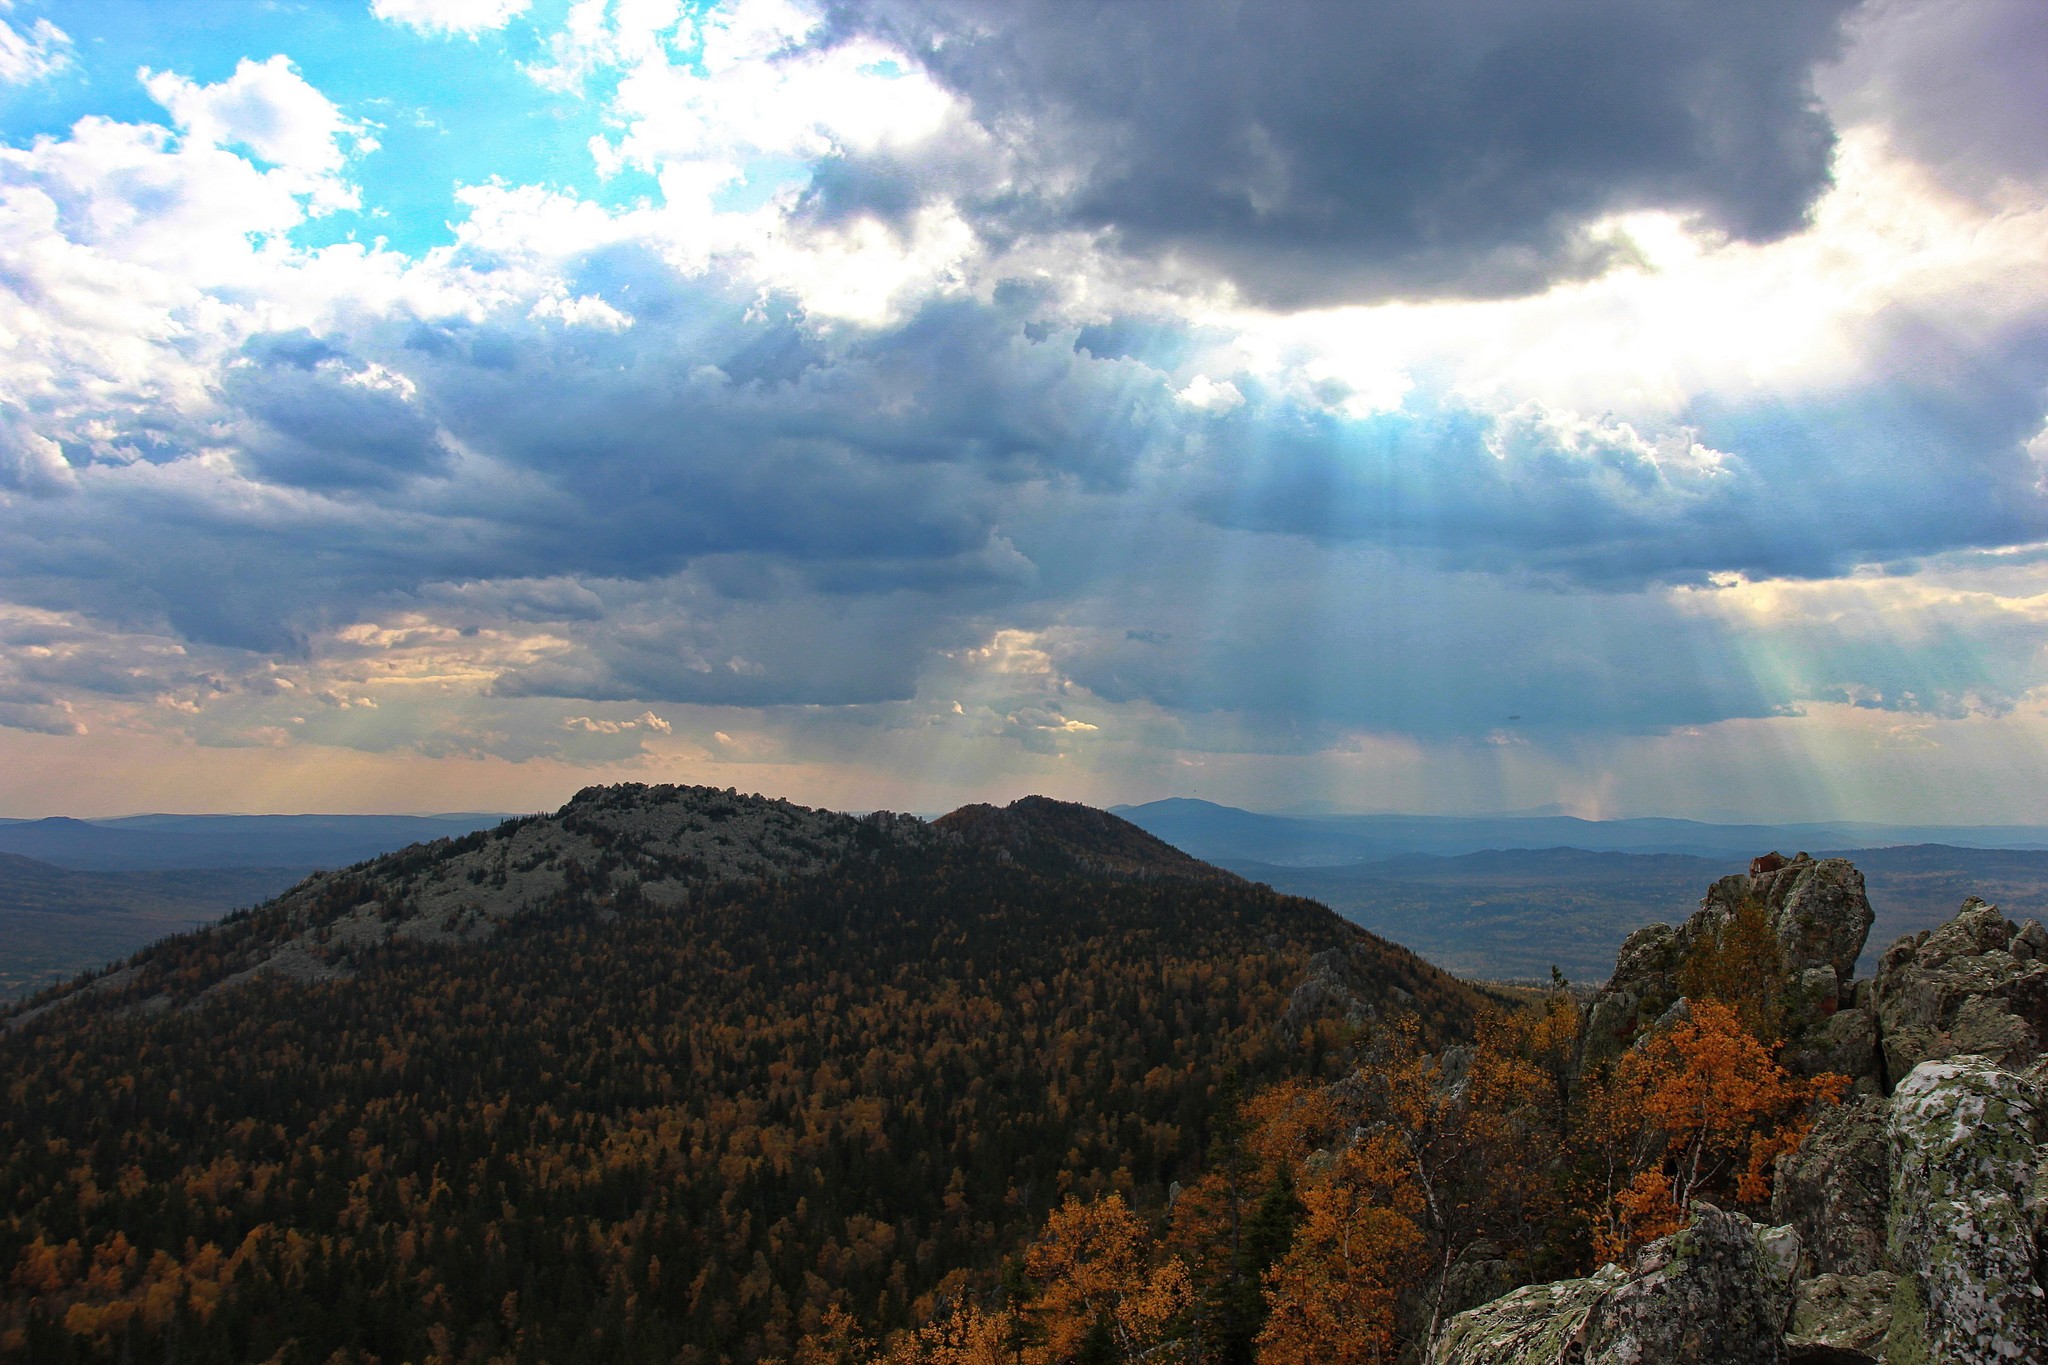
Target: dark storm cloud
1957, 84
1314, 152
683, 643
726, 449
738, 454
328, 425
725, 503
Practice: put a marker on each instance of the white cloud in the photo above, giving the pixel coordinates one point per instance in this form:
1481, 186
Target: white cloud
277, 115
448, 17
27, 57
31, 462
593, 725
1211, 395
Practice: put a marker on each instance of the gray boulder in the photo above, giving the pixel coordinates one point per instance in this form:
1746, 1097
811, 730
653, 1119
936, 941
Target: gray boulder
1644, 985
1966, 1213
1974, 986
1717, 1292
1834, 1190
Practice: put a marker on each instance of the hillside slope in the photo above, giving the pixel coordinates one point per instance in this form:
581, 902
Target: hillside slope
665, 1075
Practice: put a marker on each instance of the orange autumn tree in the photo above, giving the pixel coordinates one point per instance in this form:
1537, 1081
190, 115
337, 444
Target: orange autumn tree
1700, 1111
968, 1335
1099, 1296
1333, 1296
1470, 1128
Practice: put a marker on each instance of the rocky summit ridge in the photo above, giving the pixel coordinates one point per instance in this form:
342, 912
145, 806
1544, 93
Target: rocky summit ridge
1911, 1226
661, 844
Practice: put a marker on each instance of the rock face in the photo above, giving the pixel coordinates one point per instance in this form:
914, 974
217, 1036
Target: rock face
1819, 913
1845, 1043
1719, 1292
1819, 910
1833, 1191
1976, 985
1968, 1186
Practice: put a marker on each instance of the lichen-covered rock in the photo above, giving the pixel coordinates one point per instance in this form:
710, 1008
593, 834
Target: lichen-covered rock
1480, 1277
1835, 1315
1973, 986
1717, 1292
1964, 1137
1537, 1323
1833, 1191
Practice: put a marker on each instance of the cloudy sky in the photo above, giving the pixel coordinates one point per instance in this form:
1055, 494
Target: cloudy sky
1633, 406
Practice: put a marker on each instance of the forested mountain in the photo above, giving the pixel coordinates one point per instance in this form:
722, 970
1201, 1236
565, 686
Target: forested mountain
671, 1074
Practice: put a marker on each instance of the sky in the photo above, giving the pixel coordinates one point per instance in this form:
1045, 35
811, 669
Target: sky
1618, 406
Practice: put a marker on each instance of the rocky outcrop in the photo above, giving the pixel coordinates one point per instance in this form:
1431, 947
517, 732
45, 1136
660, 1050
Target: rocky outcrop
1976, 985
1644, 985
1968, 1196
1917, 1216
1833, 1191
1332, 988
1818, 909
1819, 914
1845, 1043
1718, 1292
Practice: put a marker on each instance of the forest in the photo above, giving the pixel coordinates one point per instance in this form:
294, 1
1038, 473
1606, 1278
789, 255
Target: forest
941, 1104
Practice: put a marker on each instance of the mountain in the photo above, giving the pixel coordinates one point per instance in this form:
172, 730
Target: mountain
665, 1075
1513, 914
55, 923
1224, 834
172, 842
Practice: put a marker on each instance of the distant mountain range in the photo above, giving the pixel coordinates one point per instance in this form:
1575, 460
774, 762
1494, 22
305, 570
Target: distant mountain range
156, 843
1222, 834
1503, 897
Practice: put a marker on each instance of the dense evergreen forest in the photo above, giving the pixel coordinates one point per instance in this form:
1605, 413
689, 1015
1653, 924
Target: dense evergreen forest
777, 1117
